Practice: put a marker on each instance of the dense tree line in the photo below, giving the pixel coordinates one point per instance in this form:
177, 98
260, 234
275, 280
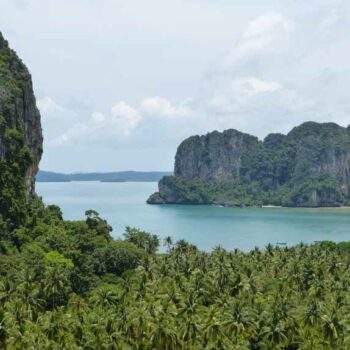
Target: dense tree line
69, 285
232, 192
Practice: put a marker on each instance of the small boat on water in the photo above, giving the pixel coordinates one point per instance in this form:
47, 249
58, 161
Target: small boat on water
281, 243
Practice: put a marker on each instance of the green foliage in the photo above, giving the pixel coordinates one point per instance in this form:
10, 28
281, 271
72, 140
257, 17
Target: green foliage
142, 239
70, 286
100, 226
54, 258
116, 258
13, 196
55, 212
192, 191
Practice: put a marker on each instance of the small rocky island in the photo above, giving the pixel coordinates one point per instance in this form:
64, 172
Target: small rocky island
308, 167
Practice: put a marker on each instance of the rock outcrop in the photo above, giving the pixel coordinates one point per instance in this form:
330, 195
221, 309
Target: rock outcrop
213, 157
310, 166
18, 109
20, 139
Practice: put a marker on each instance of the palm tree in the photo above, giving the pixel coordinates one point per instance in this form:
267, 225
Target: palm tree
53, 285
168, 242
104, 297
332, 327
238, 321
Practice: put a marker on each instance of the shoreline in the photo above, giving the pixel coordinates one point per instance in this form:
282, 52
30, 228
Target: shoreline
281, 207
225, 205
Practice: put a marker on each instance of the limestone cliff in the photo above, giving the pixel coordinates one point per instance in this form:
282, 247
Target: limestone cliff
20, 136
18, 108
215, 156
310, 166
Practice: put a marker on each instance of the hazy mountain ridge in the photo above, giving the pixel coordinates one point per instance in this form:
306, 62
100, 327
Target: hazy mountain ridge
118, 176
309, 167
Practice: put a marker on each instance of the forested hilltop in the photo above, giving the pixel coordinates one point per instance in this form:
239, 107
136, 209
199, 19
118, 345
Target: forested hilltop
308, 167
68, 285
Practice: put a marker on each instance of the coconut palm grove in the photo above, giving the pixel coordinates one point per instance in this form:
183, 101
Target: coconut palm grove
69, 285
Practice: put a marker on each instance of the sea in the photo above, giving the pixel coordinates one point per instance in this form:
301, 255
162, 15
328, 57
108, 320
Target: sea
207, 226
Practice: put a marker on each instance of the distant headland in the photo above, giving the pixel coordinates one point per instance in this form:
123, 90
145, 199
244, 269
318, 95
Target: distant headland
308, 167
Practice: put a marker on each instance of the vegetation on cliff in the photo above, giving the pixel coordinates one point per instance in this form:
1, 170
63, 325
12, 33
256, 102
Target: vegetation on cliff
20, 138
308, 167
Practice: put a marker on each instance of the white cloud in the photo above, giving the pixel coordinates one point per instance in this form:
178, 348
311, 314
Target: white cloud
124, 117
245, 88
233, 94
267, 23
121, 120
158, 106
98, 118
257, 85
48, 107
76, 132
262, 34
53, 113
56, 119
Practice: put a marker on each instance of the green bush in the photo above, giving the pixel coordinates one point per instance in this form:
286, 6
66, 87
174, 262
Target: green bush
144, 240
116, 258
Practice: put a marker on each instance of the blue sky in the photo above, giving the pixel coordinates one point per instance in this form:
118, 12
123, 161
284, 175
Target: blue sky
120, 83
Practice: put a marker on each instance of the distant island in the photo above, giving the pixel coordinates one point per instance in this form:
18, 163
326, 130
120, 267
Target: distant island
119, 176
308, 167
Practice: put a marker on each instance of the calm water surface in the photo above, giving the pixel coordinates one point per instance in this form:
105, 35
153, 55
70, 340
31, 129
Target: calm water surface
123, 204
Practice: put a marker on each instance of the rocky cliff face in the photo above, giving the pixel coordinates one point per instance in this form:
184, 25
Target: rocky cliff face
20, 139
18, 110
310, 166
213, 157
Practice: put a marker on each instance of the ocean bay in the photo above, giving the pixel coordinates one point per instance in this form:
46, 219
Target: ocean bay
124, 204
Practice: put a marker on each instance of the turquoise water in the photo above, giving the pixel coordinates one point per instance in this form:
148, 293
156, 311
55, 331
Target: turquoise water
124, 204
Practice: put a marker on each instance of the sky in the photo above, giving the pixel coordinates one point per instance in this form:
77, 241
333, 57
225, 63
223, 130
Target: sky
120, 83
